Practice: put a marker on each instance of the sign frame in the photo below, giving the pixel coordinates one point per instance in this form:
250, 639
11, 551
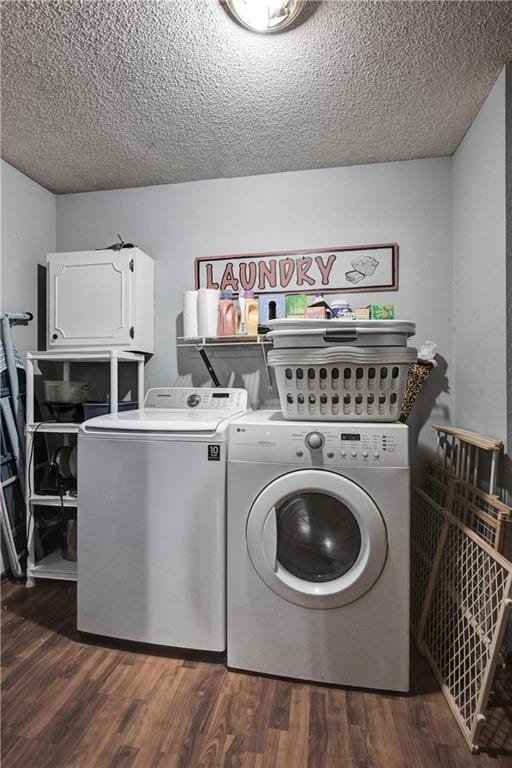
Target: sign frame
201, 268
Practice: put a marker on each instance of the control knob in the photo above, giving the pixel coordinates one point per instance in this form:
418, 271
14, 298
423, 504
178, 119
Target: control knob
193, 400
314, 440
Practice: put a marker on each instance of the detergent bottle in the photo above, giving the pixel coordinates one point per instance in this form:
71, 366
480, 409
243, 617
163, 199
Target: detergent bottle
227, 315
251, 314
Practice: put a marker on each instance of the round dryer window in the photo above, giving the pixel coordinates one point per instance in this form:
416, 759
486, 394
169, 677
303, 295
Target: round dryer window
316, 539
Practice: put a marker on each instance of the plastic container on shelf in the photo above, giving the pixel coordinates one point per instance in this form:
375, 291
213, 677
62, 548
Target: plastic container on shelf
341, 309
61, 391
341, 370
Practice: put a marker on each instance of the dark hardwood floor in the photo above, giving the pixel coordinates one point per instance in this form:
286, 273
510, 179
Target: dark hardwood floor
68, 703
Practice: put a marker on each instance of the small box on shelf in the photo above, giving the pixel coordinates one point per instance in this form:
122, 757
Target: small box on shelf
382, 312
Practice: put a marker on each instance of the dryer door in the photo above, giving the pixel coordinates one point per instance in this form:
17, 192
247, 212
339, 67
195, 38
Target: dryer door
316, 539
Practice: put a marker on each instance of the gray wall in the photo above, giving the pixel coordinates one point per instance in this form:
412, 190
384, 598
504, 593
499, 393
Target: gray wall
28, 234
479, 271
407, 202
508, 258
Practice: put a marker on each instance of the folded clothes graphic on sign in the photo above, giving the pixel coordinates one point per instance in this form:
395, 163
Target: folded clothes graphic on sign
354, 276
364, 266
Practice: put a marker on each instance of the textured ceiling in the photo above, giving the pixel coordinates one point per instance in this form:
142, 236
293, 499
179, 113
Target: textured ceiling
122, 93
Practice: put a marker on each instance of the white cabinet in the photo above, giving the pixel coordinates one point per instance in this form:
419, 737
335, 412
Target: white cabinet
100, 299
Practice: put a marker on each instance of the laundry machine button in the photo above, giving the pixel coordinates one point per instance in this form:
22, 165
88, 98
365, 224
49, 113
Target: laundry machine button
314, 440
354, 454
330, 455
300, 453
365, 454
376, 455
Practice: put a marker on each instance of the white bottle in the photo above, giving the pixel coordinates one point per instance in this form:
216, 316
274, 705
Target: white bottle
341, 310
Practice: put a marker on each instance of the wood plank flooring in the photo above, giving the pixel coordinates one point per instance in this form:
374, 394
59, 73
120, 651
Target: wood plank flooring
72, 704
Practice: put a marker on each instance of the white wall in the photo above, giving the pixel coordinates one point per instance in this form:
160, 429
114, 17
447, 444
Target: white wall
28, 234
508, 257
407, 202
479, 271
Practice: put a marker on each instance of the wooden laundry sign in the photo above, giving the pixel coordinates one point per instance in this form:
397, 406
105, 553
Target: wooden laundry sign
351, 268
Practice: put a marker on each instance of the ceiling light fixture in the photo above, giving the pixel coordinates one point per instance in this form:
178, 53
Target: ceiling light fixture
265, 15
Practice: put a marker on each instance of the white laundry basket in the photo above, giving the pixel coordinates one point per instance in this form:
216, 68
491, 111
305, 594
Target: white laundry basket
294, 332
338, 376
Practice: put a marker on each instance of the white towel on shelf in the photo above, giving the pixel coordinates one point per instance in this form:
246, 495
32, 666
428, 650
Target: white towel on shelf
207, 311
190, 314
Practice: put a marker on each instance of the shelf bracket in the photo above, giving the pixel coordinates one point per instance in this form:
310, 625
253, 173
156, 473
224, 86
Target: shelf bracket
209, 367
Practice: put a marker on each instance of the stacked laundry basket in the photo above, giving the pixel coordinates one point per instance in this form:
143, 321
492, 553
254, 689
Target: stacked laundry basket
341, 370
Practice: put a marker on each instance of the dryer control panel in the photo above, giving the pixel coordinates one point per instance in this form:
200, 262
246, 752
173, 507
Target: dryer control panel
205, 398
263, 437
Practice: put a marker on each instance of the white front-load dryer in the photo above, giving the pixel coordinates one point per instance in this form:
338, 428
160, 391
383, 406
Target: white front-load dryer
318, 550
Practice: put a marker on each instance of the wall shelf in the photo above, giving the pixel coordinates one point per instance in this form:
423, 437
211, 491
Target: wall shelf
223, 341
201, 344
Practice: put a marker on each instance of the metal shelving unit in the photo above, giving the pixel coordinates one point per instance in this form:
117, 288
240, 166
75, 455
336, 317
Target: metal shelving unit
53, 501
53, 565
57, 427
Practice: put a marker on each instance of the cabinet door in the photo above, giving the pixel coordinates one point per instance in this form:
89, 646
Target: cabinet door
89, 301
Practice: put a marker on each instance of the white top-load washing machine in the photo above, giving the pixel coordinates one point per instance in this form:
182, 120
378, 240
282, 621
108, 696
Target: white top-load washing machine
151, 523
318, 550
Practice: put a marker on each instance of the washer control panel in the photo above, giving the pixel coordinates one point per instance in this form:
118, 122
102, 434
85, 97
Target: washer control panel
186, 398
337, 445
